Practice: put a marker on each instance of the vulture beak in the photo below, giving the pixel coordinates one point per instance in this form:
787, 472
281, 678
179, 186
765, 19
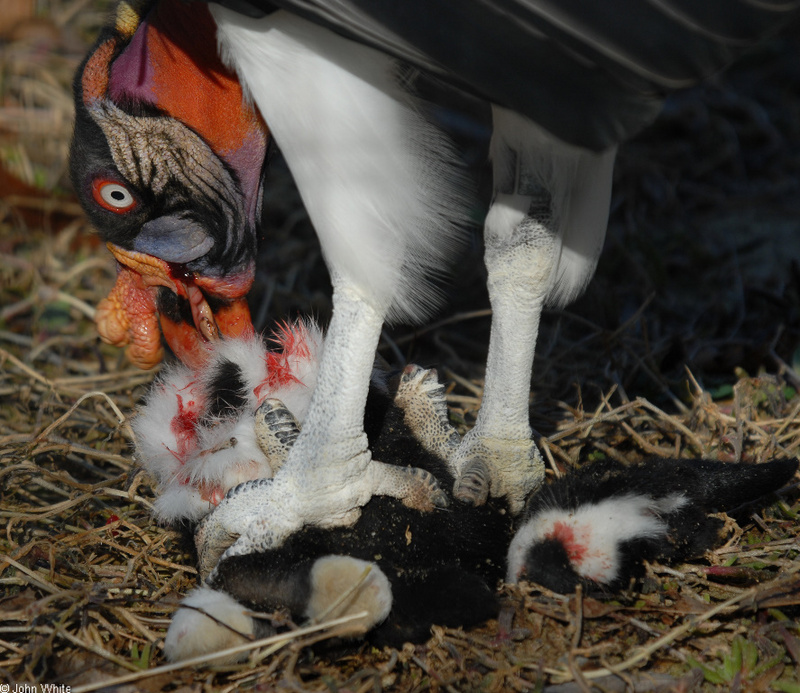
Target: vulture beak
130, 315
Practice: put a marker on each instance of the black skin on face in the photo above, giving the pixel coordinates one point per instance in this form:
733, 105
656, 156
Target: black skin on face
91, 160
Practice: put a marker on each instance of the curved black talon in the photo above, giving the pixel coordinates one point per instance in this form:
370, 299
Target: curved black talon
473, 486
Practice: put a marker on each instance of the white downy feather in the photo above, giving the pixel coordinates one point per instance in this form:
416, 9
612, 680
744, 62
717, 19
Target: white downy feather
160, 446
302, 351
194, 458
597, 529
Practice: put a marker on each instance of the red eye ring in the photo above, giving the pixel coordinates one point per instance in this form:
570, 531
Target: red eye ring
112, 195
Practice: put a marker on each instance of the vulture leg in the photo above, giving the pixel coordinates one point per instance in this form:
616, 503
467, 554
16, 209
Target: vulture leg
329, 472
543, 235
381, 187
498, 454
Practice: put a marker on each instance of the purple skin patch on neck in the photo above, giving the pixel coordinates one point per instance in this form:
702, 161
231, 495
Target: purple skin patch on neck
132, 72
247, 161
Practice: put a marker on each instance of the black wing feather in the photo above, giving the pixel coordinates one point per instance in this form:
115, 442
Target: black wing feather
592, 73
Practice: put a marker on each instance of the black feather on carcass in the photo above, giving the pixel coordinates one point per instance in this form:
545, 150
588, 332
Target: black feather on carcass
597, 525
408, 569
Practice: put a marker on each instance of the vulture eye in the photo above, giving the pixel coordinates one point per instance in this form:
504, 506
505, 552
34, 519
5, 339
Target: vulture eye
113, 196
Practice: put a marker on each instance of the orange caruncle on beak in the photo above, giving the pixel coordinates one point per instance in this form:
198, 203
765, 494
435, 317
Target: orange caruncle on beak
129, 315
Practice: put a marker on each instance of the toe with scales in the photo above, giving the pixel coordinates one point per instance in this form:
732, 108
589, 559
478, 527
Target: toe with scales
415, 487
421, 397
473, 485
276, 431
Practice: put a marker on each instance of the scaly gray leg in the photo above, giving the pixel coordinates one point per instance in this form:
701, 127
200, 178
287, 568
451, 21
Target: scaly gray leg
498, 454
544, 233
329, 473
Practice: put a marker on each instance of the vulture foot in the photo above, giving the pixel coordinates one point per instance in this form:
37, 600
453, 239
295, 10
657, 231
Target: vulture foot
258, 515
497, 467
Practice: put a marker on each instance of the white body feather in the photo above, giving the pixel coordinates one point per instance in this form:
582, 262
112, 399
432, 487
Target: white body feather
381, 185
579, 182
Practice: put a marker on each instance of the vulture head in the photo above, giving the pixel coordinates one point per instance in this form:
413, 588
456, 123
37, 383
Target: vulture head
167, 159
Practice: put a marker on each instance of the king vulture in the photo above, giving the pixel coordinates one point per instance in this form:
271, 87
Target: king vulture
177, 105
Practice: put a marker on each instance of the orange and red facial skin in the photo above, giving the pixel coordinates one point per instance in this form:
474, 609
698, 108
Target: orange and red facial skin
174, 63
129, 316
189, 345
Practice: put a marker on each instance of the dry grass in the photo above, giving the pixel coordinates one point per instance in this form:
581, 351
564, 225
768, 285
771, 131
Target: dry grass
684, 345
